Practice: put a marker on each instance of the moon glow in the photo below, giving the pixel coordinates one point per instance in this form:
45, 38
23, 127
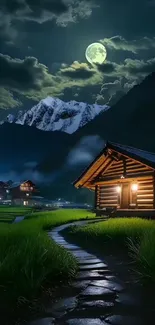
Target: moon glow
96, 53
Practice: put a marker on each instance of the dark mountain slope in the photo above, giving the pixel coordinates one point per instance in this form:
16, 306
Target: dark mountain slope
131, 120
25, 144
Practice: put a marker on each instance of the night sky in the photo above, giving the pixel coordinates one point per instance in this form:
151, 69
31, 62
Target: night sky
43, 43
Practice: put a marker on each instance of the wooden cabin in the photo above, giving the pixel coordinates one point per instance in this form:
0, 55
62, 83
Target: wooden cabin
123, 179
23, 193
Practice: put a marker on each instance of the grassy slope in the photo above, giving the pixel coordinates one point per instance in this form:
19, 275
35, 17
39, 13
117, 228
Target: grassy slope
137, 235
29, 258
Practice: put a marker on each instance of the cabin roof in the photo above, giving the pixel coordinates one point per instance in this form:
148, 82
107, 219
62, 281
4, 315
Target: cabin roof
145, 157
141, 155
15, 184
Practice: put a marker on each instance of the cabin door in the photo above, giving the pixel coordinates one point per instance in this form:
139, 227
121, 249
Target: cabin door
125, 196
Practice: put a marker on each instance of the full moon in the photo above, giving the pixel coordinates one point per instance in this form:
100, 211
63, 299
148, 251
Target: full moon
96, 53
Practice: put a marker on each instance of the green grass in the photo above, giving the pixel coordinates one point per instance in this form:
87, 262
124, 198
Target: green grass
134, 234
8, 213
29, 259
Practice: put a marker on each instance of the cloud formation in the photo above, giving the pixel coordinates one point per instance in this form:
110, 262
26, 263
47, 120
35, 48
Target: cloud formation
120, 43
78, 71
23, 74
63, 12
85, 151
33, 80
129, 69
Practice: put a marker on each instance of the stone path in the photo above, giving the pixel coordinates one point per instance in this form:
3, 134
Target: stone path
96, 296
19, 219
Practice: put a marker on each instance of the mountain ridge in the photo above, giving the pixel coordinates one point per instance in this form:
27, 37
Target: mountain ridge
53, 114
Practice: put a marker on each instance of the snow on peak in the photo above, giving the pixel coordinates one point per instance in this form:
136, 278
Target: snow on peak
53, 114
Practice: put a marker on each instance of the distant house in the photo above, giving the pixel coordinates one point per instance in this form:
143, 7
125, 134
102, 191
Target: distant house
123, 179
4, 191
24, 193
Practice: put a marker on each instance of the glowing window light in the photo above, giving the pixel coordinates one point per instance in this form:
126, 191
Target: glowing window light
118, 189
134, 187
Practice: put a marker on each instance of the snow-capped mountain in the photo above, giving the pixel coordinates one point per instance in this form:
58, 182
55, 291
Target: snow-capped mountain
53, 114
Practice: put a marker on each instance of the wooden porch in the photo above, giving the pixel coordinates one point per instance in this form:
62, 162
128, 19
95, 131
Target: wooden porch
112, 213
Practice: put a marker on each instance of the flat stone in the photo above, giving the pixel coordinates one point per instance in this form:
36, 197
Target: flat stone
96, 291
82, 254
104, 271
85, 321
70, 246
93, 266
42, 321
123, 320
89, 274
98, 304
62, 306
90, 261
108, 284
111, 278
81, 284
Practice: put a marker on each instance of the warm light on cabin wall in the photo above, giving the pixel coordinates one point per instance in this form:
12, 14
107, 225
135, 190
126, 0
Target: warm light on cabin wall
118, 189
134, 187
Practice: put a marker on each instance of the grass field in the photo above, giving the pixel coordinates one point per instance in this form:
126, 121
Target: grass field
29, 258
8, 213
134, 234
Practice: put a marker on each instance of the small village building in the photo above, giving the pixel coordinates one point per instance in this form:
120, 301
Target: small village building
25, 193
123, 180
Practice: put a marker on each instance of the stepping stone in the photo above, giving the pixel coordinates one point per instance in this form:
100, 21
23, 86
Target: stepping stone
90, 275
123, 320
42, 321
70, 246
85, 321
61, 307
90, 261
93, 266
97, 304
82, 254
111, 278
96, 291
81, 284
108, 284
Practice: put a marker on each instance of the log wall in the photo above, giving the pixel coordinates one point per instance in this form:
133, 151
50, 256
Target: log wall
145, 193
107, 196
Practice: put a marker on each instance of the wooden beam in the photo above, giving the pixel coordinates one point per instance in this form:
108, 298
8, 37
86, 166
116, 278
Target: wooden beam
112, 178
96, 196
122, 180
96, 170
154, 190
125, 155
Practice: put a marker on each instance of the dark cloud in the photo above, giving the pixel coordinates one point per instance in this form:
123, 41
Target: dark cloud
62, 12
32, 8
120, 43
106, 68
129, 69
22, 74
137, 68
78, 71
